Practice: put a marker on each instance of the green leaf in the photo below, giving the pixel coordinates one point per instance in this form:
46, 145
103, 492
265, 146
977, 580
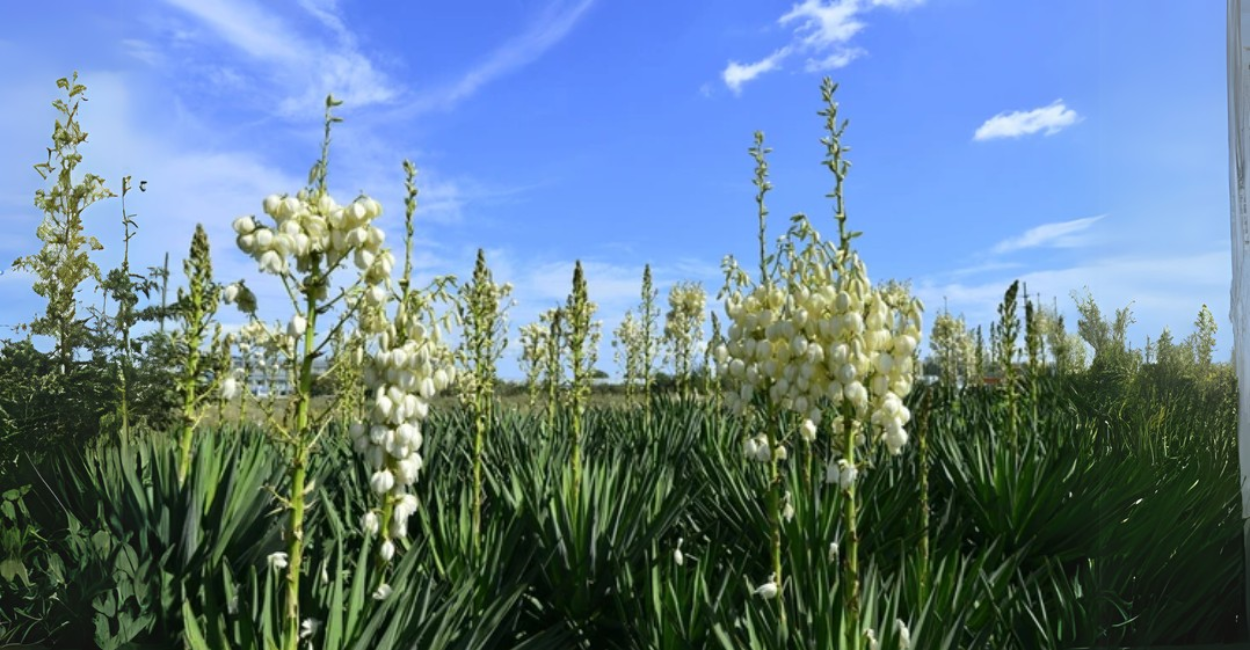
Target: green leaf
13, 568
191, 628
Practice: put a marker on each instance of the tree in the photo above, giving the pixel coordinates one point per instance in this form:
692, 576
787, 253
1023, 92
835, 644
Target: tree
1108, 339
1202, 341
1173, 359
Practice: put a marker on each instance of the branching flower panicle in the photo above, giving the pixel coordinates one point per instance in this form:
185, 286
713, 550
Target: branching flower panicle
533, 358
407, 366
627, 351
683, 330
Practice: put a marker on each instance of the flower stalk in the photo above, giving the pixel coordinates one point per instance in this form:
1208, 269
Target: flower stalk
813, 336
196, 307
481, 315
583, 341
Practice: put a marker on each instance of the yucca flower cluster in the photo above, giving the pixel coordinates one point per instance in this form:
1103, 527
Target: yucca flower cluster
533, 357
683, 327
627, 351
817, 341
410, 366
312, 222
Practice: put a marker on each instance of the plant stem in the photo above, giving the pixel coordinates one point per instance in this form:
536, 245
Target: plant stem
188, 404
774, 511
299, 468
922, 441
480, 424
850, 580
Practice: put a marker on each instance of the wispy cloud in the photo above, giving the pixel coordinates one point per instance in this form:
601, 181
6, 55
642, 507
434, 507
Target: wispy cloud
445, 200
736, 74
1060, 234
1051, 119
820, 29
549, 29
985, 267
304, 66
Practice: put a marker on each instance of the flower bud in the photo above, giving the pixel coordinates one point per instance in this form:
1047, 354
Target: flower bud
808, 431
271, 204
229, 388
244, 225
297, 326
382, 481
370, 523
272, 262
904, 635
768, 590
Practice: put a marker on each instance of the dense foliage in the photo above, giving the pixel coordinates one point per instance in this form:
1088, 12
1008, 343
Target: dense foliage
1109, 523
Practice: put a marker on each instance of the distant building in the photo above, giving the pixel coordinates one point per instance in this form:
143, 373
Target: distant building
261, 383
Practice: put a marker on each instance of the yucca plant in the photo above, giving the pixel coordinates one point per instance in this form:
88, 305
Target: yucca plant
481, 315
137, 538
583, 343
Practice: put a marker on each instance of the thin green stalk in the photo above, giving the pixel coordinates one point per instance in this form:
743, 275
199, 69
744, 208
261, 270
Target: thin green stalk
124, 311
922, 443
759, 152
189, 377
774, 498
479, 440
649, 316
577, 453
850, 580
299, 468
808, 453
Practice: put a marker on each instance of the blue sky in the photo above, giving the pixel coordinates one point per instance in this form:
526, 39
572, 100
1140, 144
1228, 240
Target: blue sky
1067, 143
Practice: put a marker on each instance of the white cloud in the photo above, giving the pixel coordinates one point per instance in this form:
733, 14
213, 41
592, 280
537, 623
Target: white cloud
839, 59
1061, 234
736, 74
552, 26
978, 269
143, 50
822, 25
304, 67
897, 4
1052, 119
821, 29
445, 201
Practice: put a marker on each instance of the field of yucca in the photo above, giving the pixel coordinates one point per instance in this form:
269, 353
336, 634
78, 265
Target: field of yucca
792, 482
